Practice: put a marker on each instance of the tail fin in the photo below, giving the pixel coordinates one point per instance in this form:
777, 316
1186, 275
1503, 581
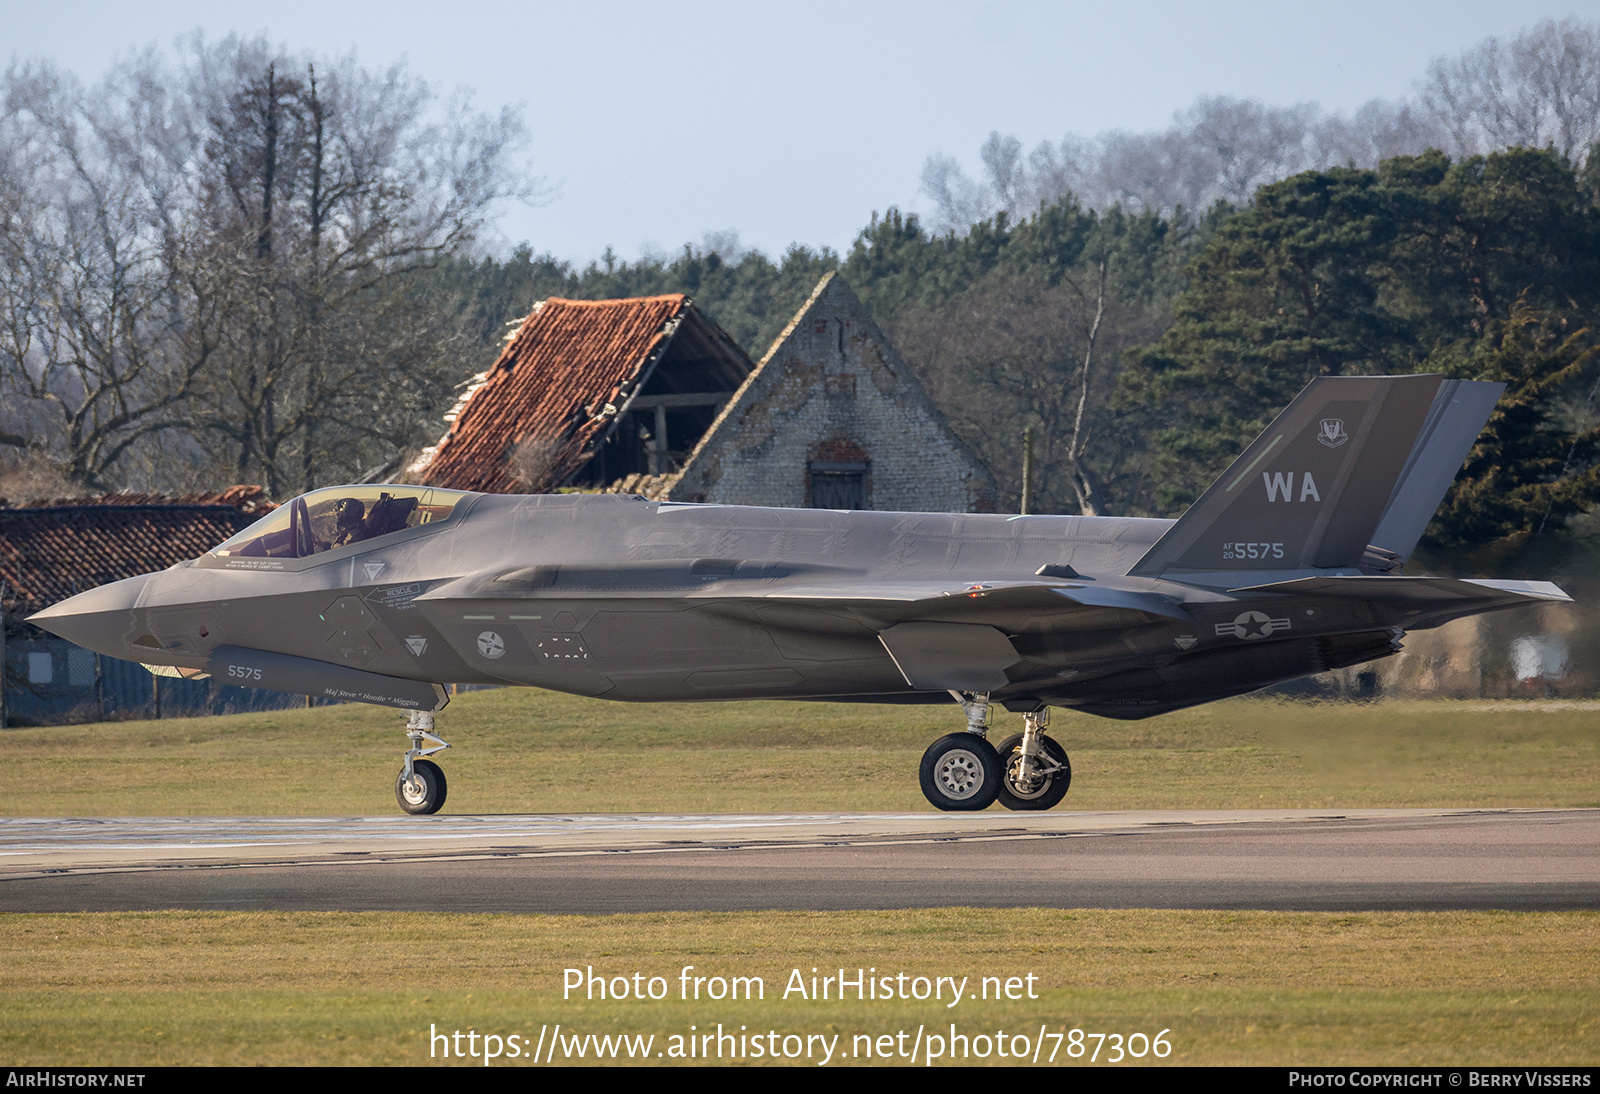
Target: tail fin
1354, 462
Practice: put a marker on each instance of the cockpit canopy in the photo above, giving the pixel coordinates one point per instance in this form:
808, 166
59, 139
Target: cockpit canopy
338, 516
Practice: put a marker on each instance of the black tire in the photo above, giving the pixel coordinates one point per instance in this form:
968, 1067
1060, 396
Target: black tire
961, 772
428, 793
1046, 792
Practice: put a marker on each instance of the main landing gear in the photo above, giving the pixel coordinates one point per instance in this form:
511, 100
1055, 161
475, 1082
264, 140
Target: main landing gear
964, 772
420, 787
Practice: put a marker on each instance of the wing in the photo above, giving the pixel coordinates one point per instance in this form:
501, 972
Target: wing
942, 633
746, 579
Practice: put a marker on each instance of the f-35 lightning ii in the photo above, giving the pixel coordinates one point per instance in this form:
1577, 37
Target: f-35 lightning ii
1288, 565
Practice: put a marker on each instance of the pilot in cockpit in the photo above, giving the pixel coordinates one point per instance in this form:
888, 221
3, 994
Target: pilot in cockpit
348, 523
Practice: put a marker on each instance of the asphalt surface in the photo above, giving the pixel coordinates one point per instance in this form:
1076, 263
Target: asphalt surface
1273, 859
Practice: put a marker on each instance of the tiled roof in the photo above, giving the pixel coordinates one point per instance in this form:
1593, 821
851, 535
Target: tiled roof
51, 550
549, 388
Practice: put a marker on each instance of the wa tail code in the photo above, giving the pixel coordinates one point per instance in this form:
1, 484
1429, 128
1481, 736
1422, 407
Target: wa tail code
1281, 482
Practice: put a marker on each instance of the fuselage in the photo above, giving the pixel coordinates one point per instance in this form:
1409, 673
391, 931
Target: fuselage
630, 599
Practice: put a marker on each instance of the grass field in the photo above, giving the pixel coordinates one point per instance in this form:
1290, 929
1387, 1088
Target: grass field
519, 751
1232, 988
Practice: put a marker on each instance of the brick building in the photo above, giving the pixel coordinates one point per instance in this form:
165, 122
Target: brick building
833, 418
649, 396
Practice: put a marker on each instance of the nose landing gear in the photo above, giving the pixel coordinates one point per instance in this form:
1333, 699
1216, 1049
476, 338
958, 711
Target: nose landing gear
420, 787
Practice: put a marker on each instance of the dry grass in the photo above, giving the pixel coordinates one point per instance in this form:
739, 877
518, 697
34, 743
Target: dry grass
1232, 987
530, 751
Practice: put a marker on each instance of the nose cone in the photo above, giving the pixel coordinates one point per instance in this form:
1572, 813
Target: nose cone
98, 619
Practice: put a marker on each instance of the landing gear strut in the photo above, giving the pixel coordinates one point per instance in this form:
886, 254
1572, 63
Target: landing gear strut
963, 771
1037, 772
420, 787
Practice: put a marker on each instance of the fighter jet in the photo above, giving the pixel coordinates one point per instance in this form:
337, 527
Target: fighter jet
1287, 566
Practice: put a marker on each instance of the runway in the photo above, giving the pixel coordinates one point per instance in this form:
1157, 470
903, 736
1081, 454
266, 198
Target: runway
1346, 860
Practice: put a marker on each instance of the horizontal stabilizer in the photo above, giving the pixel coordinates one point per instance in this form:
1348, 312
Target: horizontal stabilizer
1531, 590
1439, 592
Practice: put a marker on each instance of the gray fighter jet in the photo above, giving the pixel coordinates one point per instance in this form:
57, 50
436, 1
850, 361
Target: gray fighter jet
1288, 565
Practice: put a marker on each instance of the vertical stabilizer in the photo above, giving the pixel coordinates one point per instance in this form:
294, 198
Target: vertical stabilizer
1456, 418
1353, 461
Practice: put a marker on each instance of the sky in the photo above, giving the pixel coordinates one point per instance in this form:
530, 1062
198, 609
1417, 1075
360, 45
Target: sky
654, 124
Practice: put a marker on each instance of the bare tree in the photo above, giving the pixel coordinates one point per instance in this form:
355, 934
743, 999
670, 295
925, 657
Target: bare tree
1086, 482
1015, 352
324, 193
958, 202
220, 261
1246, 144
1379, 130
1542, 89
95, 349
1220, 149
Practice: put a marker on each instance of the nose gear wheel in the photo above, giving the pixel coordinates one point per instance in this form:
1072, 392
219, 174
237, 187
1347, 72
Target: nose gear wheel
424, 791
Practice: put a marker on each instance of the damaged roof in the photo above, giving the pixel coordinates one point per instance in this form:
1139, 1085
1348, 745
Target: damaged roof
539, 413
51, 550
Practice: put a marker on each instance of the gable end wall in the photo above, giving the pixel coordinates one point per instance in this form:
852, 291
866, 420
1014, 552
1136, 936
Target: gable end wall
833, 383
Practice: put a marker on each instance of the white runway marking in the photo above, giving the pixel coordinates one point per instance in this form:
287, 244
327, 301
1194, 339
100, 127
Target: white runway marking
52, 844
1308, 859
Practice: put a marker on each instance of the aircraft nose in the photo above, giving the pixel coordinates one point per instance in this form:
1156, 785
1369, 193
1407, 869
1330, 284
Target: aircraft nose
98, 619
